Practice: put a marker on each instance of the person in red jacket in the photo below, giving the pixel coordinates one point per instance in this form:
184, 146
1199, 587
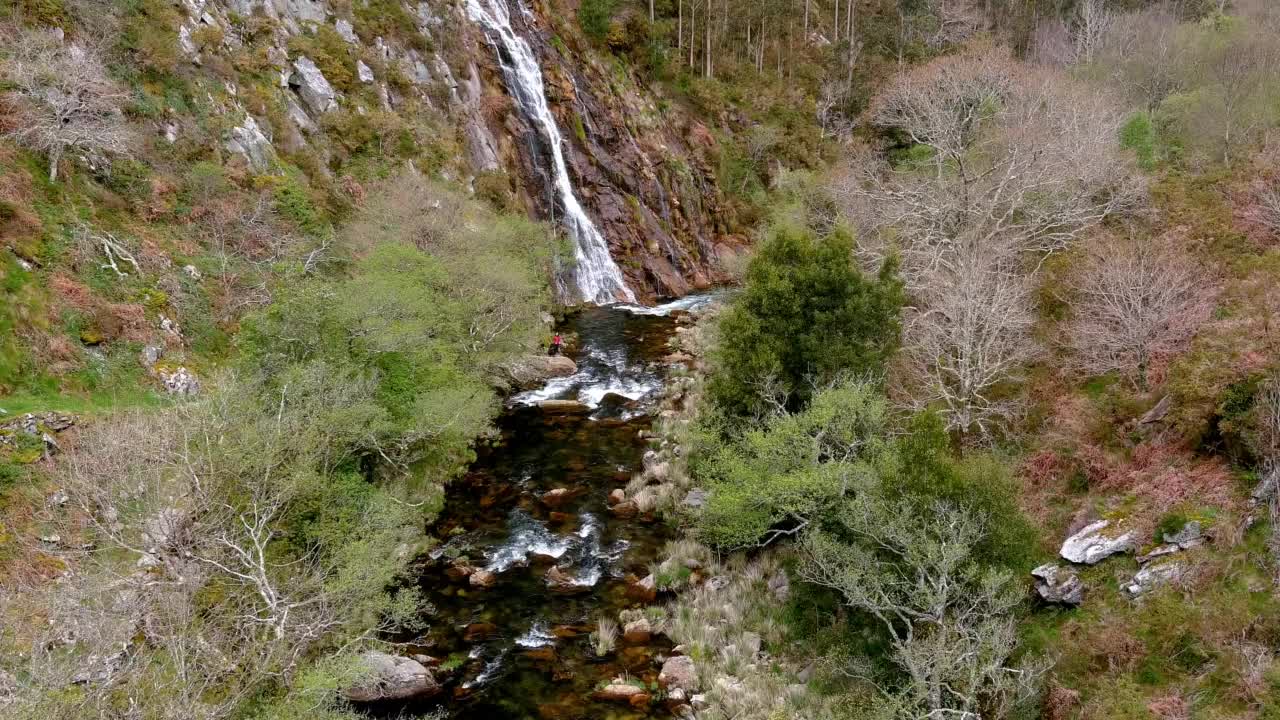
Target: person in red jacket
556, 343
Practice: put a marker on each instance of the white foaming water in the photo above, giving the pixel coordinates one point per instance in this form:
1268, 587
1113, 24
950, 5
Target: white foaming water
596, 275
582, 550
591, 556
602, 371
537, 636
528, 537
688, 302
490, 671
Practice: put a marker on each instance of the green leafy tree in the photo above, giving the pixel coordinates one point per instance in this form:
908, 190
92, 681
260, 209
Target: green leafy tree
805, 316
776, 480
950, 619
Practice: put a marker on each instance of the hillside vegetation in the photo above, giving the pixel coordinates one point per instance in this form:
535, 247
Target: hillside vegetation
1013, 281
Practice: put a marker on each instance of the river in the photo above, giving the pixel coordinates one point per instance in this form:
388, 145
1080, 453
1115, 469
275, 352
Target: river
535, 500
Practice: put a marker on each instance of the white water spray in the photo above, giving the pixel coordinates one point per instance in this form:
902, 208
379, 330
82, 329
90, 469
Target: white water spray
596, 275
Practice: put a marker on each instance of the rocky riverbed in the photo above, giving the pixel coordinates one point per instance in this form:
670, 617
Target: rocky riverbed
536, 549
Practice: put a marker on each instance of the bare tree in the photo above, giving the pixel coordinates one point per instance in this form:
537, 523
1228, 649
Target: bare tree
1146, 54
1264, 210
1013, 160
972, 333
1239, 72
1133, 300
1092, 26
950, 622
1051, 44
1266, 443
177, 519
63, 97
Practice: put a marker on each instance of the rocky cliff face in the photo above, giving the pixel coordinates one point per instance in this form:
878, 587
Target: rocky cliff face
644, 173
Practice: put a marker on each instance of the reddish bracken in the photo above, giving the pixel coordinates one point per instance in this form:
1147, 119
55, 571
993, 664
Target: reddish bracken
1165, 477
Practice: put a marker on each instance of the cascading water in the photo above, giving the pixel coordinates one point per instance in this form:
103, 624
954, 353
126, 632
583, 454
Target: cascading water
597, 277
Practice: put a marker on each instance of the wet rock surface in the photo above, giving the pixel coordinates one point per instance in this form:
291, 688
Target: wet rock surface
665, 224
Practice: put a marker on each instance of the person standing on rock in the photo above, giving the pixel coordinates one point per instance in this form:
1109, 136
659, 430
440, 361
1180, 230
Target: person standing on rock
556, 345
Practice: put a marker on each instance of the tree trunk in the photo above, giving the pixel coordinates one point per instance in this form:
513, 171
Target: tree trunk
709, 19
835, 26
55, 156
853, 44
680, 29
650, 12
693, 35
806, 21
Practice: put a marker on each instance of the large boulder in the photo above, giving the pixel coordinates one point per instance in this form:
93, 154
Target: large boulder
644, 589
679, 672
619, 691
1096, 542
312, 86
482, 579
1058, 586
556, 497
392, 677
529, 370
637, 632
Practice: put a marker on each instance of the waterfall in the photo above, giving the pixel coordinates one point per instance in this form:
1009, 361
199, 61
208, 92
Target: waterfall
597, 277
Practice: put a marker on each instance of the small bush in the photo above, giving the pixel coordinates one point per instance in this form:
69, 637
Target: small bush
1139, 135
294, 201
594, 16
1169, 524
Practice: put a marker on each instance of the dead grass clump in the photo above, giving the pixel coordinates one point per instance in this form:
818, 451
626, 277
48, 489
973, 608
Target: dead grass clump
1164, 477
1170, 707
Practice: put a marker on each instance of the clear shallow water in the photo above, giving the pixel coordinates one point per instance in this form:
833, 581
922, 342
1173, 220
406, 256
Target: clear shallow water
521, 647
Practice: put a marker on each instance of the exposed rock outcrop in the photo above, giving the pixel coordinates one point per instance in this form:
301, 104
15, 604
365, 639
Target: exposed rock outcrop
1058, 586
248, 141
1096, 542
312, 86
179, 382
392, 677
1152, 576
646, 177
